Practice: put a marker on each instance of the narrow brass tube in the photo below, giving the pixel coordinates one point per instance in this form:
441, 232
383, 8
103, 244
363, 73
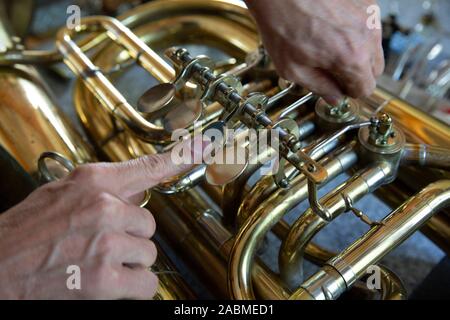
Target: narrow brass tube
391, 286
426, 156
309, 224
344, 270
266, 216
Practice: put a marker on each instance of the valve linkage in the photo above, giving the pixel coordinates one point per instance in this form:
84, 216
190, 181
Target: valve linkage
220, 89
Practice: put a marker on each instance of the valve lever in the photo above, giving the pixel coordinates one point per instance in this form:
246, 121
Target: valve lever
358, 213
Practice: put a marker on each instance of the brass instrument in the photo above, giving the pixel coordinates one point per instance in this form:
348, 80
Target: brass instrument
212, 216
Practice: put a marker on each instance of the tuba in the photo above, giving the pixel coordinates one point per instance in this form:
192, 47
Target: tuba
216, 218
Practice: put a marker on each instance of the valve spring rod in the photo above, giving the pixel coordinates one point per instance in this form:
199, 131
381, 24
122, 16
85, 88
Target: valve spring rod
204, 75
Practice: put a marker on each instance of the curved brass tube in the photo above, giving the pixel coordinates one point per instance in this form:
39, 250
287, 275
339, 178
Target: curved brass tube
266, 216
341, 272
309, 224
101, 87
392, 287
160, 24
30, 120
232, 10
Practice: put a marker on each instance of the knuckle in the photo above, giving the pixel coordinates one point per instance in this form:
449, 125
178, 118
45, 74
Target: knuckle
104, 203
359, 60
56, 188
352, 58
106, 244
89, 173
368, 88
155, 165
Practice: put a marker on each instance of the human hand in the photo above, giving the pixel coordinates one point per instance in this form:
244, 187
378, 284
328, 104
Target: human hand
89, 219
325, 46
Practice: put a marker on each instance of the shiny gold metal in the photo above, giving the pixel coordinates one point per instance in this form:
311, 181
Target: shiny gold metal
218, 230
353, 262
30, 121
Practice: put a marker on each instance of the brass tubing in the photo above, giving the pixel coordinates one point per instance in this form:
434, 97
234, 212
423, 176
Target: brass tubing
160, 24
30, 121
191, 225
101, 87
233, 193
426, 156
344, 270
266, 216
233, 10
313, 252
266, 186
391, 286
194, 208
309, 224
193, 248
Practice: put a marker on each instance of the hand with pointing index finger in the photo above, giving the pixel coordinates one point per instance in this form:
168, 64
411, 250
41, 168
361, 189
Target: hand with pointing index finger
91, 220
